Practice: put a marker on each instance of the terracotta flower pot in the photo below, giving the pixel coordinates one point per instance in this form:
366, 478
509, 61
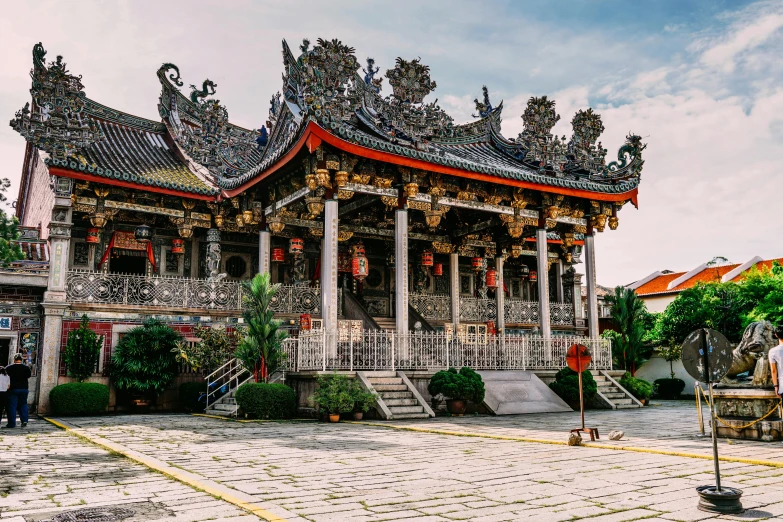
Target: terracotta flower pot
334, 417
456, 406
358, 415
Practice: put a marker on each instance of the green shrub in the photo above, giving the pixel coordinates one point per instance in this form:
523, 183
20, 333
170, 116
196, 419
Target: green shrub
669, 388
266, 401
639, 388
335, 393
79, 398
82, 351
189, 393
463, 385
566, 385
142, 362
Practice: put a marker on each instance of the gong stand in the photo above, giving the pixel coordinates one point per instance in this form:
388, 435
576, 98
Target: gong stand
576, 360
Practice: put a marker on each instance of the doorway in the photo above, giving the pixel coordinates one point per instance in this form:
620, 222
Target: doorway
129, 264
5, 351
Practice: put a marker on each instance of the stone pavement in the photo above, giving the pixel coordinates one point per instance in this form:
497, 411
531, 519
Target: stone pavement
44, 471
356, 472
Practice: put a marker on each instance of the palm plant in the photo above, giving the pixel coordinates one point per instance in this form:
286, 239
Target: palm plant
142, 362
259, 351
628, 314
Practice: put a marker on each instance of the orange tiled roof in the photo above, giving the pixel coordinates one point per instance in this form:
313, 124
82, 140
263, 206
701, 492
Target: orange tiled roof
761, 265
658, 285
708, 275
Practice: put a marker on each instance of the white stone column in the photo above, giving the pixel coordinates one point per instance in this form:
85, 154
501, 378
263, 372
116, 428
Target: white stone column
500, 296
329, 271
454, 289
401, 269
55, 302
543, 283
592, 301
264, 253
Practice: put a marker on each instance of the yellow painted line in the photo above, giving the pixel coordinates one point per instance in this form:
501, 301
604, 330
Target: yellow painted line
741, 460
187, 478
253, 421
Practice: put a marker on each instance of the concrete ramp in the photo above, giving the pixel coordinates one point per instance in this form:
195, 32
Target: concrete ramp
515, 392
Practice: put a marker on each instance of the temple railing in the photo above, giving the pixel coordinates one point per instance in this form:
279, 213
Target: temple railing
84, 286
388, 350
475, 309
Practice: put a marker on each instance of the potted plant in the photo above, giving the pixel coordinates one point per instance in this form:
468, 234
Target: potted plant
143, 364
362, 401
334, 395
457, 388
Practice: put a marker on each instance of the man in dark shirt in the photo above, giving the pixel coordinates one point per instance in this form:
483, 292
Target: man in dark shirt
17, 393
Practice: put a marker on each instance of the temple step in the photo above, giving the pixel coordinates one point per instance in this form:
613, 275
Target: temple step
611, 394
397, 398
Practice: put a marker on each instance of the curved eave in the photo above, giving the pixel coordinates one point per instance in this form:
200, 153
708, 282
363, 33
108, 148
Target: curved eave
83, 176
314, 135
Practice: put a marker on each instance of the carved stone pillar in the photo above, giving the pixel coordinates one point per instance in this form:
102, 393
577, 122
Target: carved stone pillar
213, 253
592, 300
263, 252
572, 291
500, 296
559, 281
454, 288
55, 302
401, 272
329, 273
543, 281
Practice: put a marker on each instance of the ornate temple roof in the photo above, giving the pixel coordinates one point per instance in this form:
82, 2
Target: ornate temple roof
196, 150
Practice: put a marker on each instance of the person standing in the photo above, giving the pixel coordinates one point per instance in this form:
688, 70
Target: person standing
18, 373
5, 383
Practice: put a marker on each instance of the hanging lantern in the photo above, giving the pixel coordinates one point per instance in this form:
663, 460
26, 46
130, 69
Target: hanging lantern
177, 246
357, 249
305, 322
426, 258
533, 276
185, 230
478, 263
524, 271
93, 235
296, 247
492, 278
437, 269
278, 255
98, 219
360, 268
143, 233
276, 224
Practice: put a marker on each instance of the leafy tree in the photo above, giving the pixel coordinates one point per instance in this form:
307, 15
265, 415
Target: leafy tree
82, 351
215, 347
764, 289
671, 354
260, 350
142, 361
9, 231
629, 315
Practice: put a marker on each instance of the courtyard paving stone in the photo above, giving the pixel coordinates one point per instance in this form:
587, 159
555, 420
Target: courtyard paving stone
362, 472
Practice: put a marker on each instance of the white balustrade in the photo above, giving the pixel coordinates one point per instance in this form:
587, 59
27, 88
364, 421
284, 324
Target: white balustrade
474, 309
388, 350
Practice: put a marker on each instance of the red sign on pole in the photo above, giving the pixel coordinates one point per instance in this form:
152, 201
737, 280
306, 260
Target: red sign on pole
578, 357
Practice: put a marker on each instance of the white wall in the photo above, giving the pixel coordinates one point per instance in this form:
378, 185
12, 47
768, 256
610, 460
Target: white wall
657, 368
658, 303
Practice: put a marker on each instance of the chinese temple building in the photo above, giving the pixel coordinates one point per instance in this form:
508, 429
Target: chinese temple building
369, 204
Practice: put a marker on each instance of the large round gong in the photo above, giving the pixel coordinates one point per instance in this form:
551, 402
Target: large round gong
718, 355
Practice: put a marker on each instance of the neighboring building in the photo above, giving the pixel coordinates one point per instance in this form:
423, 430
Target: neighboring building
373, 212
660, 288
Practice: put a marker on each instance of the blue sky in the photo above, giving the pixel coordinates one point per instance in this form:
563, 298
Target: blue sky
701, 81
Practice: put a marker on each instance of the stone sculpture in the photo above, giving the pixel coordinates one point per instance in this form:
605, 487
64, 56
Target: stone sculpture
751, 356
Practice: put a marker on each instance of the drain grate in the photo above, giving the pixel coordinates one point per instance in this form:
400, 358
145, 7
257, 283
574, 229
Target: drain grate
100, 514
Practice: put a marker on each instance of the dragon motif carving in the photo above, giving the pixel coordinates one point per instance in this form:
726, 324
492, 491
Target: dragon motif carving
629, 159
166, 67
196, 95
57, 121
369, 76
484, 108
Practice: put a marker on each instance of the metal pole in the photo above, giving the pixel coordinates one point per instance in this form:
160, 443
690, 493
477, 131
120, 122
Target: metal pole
581, 393
696, 389
705, 355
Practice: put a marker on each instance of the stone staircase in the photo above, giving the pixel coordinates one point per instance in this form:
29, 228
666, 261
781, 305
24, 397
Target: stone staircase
611, 393
397, 397
226, 406
386, 323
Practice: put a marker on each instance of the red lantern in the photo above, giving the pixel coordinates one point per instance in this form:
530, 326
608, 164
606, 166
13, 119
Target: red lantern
491, 329
177, 246
477, 263
437, 269
278, 255
93, 235
533, 276
492, 278
296, 246
426, 258
360, 268
357, 250
305, 322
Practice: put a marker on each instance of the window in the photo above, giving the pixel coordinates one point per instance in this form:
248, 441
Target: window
236, 267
